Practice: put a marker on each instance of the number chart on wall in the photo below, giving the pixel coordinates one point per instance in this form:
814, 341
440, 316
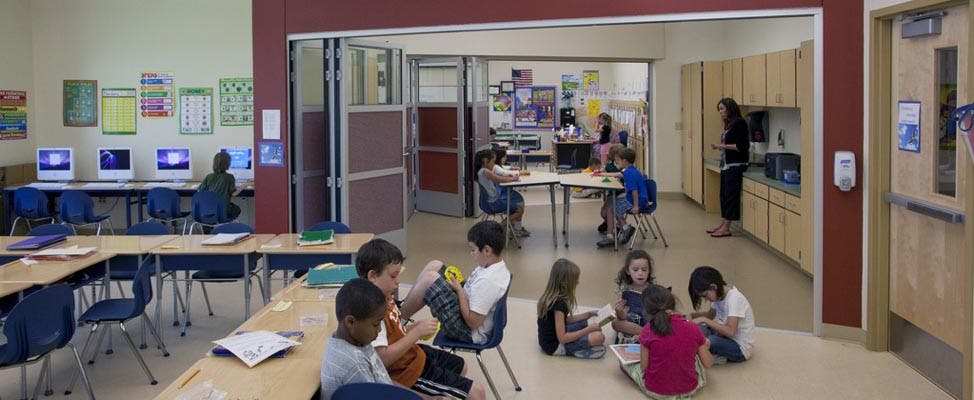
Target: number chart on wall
236, 101
118, 111
195, 110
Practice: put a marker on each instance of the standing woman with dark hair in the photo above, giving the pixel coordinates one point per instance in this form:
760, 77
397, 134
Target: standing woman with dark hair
220, 181
734, 149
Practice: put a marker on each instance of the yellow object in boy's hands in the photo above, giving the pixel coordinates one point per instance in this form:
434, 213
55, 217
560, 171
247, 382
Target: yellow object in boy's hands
430, 336
453, 273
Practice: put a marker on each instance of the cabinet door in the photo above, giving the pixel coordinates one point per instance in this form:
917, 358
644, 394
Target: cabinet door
794, 237
772, 75
776, 227
805, 85
747, 212
754, 81
786, 78
727, 79
761, 219
696, 131
737, 77
685, 130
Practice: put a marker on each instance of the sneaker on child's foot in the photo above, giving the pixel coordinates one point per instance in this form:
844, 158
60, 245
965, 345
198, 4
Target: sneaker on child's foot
590, 353
608, 241
719, 360
521, 232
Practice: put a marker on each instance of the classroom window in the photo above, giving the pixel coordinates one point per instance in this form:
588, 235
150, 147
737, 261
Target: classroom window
946, 146
438, 83
374, 76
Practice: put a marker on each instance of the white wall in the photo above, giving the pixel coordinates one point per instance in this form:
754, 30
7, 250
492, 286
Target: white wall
16, 74
112, 41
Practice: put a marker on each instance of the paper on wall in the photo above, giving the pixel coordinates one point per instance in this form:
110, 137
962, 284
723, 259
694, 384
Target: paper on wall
272, 124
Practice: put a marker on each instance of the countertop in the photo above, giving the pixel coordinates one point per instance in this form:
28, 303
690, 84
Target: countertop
757, 174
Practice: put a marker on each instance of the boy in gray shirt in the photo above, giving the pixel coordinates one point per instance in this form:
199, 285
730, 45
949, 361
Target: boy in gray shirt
349, 356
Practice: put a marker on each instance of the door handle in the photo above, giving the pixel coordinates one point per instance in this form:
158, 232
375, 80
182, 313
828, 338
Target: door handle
406, 154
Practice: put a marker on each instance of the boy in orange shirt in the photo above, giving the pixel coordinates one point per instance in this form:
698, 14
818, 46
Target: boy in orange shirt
422, 368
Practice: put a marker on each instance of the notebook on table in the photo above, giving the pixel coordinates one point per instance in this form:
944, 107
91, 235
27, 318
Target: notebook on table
313, 238
223, 239
292, 335
37, 242
330, 275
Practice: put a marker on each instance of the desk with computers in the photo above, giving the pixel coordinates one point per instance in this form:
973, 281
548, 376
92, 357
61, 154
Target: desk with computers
116, 172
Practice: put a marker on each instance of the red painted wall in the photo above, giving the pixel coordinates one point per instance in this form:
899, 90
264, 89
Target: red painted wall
843, 80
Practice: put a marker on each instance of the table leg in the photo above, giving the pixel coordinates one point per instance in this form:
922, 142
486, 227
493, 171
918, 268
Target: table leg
246, 271
138, 200
613, 215
128, 208
9, 198
554, 217
159, 295
564, 221
108, 295
266, 274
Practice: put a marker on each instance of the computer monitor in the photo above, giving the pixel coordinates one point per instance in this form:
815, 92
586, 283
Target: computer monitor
174, 163
115, 163
241, 162
55, 164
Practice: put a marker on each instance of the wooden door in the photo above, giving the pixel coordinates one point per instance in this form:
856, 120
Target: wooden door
712, 126
754, 81
786, 78
927, 192
737, 79
696, 132
772, 75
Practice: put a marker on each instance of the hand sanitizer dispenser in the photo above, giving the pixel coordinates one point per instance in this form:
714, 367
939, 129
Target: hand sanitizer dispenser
845, 170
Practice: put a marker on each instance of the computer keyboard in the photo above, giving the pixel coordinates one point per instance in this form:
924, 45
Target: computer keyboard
47, 185
164, 184
102, 185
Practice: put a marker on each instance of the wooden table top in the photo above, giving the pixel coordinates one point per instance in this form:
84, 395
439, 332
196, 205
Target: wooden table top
296, 376
296, 291
536, 178
585, 180
49, 272
123, 244
9, 240
345, 243
192, 244
11, 288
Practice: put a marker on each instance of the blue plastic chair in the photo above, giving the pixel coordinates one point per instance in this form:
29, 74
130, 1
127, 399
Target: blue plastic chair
494, 341
50, 229
162, 204
301, 263
642, 219
77, 209
118, 311
624, 138
124, 267
30, 205
209, 209
220, 270
39, 324
373, 391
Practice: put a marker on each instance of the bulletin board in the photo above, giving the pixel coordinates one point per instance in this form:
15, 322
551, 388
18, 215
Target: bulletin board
535, 107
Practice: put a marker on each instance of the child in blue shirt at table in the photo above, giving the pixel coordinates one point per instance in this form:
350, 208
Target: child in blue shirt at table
636, 198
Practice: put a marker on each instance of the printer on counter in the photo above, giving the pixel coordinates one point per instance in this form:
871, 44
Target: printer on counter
775, 164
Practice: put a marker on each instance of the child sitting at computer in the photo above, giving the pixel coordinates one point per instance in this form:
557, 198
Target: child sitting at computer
222, 182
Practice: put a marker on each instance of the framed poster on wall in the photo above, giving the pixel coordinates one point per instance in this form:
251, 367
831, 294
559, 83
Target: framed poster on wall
80, 102
535, 107
507, 86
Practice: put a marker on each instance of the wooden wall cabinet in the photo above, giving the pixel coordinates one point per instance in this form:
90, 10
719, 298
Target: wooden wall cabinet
701, 90
754, 80
733, 79
805, 77
780, 71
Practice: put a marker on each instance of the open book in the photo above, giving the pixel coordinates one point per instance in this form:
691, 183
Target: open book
606, 314
626, 353
330, 275
254, 347
313, 238
222, 239
634, 300
61, 253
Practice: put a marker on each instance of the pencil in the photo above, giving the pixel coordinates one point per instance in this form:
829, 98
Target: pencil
188, 378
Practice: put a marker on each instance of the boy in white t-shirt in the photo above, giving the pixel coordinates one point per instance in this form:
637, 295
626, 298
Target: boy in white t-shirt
465, 312
729, 324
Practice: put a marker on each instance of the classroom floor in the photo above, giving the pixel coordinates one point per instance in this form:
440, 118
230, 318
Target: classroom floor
787, 364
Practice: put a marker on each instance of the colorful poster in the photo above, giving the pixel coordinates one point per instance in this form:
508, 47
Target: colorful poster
195, 110
80, 107
908, 126
534, 107
570, 81
13, 114
156, 92
236, 101
502, 102
590, 80
593, 107
271, 154
118, 111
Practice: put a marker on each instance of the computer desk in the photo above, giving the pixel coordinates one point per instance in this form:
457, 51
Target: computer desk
185, 254
296, 376
187, 189
283, 250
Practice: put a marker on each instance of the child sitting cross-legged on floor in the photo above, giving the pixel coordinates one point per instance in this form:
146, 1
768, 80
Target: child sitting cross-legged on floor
560, 332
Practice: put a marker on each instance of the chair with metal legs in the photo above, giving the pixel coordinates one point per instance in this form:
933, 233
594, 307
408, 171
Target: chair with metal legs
30, 205
642, 219
119, 311
39, 324
162, 204
77, 209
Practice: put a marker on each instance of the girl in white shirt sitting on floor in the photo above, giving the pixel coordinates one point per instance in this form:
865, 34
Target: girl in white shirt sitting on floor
729, 324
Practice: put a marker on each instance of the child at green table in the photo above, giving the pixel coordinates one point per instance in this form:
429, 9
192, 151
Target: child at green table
636, 198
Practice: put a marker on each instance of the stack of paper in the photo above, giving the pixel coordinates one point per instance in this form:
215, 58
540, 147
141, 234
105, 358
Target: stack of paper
292, 335
254, 347
61, 254
313, 238
222, 239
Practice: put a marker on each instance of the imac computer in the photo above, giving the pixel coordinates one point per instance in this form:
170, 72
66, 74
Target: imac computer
241, 162
115, 164
174, 163
55, 164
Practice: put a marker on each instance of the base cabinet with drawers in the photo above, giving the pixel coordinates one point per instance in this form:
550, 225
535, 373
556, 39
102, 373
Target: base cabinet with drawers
773, 217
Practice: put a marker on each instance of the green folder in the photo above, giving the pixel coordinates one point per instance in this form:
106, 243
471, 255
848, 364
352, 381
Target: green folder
317, 236
336, 275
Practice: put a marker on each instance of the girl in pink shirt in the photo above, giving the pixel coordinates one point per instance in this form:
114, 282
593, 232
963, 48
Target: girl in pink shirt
673, 351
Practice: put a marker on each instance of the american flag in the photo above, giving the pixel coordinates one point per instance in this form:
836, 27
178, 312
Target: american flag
522, 77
